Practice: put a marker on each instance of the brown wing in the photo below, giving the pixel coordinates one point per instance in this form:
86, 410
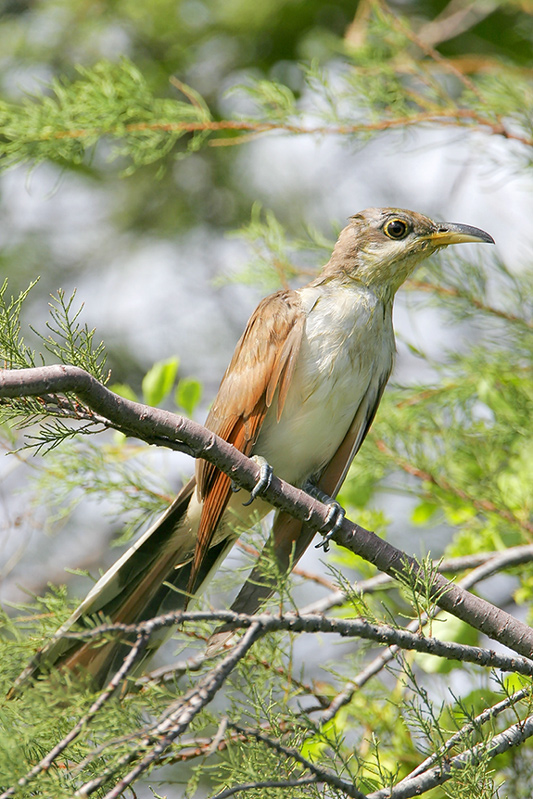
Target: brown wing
260, 370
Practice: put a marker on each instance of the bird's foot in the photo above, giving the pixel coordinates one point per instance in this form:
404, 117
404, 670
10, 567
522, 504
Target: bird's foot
335, 517
264, 480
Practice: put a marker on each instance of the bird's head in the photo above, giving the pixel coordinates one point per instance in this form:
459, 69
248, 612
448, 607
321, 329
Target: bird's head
382, 246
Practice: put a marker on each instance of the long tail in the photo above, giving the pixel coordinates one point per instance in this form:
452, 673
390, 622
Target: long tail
287, 543
150, 578
153, 577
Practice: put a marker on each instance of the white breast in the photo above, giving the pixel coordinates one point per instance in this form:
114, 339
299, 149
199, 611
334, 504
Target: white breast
346, 352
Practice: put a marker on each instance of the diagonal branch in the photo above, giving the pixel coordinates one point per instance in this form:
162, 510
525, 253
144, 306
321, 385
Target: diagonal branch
481, 305
490, 566
441, 773
474, 724
497, 561
321, 773
167, 429
482, 505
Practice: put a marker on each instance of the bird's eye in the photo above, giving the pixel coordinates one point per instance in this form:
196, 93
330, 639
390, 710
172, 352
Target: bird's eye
396, 229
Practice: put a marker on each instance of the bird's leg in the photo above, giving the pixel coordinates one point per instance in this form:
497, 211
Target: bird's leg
336, 512
264, 480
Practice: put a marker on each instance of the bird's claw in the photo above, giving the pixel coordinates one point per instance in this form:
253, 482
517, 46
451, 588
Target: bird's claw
264, 480
335, 517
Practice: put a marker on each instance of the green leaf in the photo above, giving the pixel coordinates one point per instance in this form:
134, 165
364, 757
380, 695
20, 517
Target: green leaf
123, 390
447, 628
69, 340
424, 511
188, 394
314, 745
158, 381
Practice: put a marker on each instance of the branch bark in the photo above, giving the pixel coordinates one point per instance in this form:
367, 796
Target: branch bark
296, 623
173, 724
164, 428
503, 742
485, 569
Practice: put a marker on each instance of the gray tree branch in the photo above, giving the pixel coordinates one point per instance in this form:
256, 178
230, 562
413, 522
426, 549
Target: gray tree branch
296, 623
512, 736
496, 562
157, 426
173, 724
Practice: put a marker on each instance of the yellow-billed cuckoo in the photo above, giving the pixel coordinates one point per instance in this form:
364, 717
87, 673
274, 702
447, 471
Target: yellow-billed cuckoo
301, 391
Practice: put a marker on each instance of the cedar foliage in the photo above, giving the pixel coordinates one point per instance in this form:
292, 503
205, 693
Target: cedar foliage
459, 445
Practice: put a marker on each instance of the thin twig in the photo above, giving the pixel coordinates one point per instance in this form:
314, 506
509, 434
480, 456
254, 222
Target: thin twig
248, 786
319, 579
506, 740
425, 44
475, 724
451, 116
484, 505
45, 763
496, 563
481, 305
514, 556
173, 671
173, 723
167, 428
294, 754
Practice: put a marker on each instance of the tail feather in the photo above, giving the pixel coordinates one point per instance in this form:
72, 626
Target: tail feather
287, 543
130, 591
153, 577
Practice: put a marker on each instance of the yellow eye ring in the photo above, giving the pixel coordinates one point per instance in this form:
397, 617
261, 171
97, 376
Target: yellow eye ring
396, 229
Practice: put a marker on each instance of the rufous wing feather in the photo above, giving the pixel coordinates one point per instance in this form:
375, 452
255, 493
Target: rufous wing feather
260, 370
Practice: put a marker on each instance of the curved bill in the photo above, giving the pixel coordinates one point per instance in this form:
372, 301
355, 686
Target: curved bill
452, 233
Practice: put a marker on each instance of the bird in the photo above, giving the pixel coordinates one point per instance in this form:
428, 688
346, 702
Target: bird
300, 393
